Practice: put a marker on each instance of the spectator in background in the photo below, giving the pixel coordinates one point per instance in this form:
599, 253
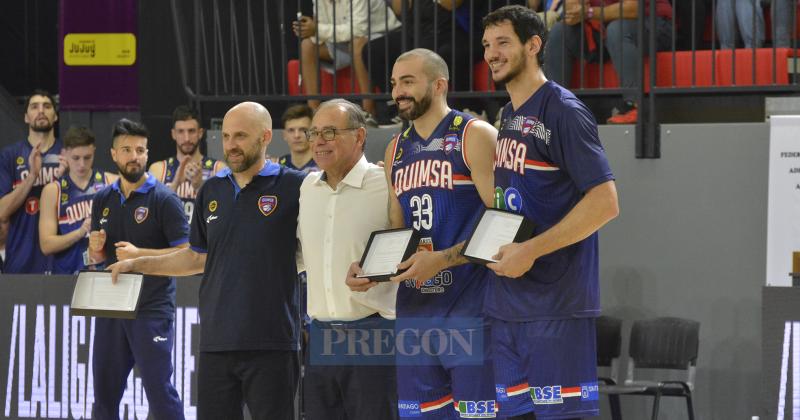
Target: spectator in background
750, 19
785, 12
337, 35
25, 167
296, 120
616, 24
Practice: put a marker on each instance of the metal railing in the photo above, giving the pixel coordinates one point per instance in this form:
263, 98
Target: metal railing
231, 50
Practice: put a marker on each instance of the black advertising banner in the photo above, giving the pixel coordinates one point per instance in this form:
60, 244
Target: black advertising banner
45, 354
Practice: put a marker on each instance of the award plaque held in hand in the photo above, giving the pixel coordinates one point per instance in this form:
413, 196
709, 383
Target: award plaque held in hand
494, 229
95, 295
386, 249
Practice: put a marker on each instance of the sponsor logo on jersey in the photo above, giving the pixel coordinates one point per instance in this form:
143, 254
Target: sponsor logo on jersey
159, 339
105, 212
529, 126
409, 408
555, 394
425, 244
20, 160
212, 206
504, 393
477, 409
209, 163
457, 120
63, 183
140, 214
64, 197
211, 218
98, 177
32, 206
508, 199
267, 204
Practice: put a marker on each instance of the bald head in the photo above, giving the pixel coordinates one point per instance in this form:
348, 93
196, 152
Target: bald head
432, 64
246, 133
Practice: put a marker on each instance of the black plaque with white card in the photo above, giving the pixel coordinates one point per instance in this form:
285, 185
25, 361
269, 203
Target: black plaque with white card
385, 250
494, 229
95, 295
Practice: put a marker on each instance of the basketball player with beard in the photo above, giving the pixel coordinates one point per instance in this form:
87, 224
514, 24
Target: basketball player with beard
550, 167
439, 173
185, 172
136, 216
25, 168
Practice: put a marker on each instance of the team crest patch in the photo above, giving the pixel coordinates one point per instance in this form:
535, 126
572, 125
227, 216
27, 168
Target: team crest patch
267, 204
64, 198
208, 163
457, 120
98, 177
20, 160
527, 126
140, 214
105, 212
212, 206
450, 142
63, 183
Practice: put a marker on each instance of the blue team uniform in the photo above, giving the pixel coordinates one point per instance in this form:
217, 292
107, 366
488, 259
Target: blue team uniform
548, 156
310, 166
23, 254
151, 217
74, 205
186, 191
432, 180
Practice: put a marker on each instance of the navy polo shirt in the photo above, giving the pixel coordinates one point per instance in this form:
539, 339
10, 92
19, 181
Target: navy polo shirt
248, 295
152, 217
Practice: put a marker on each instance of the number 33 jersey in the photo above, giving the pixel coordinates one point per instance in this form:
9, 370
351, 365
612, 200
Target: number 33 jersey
432, 180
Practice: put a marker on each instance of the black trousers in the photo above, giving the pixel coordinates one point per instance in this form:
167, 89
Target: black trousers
265, 380
351, 392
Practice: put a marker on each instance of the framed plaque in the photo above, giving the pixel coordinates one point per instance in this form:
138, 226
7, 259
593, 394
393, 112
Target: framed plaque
494, 229
95, 295
386, 249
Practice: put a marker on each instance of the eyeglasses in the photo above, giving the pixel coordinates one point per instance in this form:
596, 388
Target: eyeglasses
327, 134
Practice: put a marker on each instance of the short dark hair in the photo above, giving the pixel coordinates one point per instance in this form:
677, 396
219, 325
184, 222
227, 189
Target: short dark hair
184, 113
525, 21
126, 127
296, 112
40, 92
77, 137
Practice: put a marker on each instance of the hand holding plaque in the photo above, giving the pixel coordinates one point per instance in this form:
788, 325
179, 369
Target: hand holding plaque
96, 295
385, 250
494, 229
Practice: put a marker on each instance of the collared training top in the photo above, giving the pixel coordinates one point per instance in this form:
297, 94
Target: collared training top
548, 156
248, 295
23, 254
151, 217
186, 191
73, 206
335, 226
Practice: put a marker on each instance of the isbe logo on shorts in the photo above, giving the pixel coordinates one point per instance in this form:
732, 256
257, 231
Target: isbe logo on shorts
477, 409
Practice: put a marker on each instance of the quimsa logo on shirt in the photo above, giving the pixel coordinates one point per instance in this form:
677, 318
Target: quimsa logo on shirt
140, 214
267, 204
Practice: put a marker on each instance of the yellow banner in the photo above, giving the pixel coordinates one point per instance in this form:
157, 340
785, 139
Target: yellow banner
100, 49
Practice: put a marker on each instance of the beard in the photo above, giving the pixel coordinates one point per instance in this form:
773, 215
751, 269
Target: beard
513, 72
248, 159
189, 148
42, 126
417, 108
132, 175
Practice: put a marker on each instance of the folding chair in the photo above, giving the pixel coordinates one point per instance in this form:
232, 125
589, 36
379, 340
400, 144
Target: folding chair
609, 345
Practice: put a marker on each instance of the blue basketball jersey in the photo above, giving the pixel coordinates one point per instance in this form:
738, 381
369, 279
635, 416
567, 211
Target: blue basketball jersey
186, 191
548, 155
310, 166
23, 254
74, 205
432, 180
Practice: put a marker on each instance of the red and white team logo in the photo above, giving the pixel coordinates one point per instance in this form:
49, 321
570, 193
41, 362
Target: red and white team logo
32, 206
528, 125
140, 214
450, 142
267, 204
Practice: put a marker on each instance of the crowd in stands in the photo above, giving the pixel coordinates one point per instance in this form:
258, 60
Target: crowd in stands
369, 34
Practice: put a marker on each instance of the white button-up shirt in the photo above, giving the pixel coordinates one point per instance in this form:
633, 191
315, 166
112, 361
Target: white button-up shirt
334, 227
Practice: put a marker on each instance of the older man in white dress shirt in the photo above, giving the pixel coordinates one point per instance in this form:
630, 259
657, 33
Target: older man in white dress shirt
339, 208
